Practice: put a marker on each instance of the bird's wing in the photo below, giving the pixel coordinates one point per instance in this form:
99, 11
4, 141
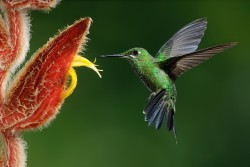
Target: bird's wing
185, 41
176, 66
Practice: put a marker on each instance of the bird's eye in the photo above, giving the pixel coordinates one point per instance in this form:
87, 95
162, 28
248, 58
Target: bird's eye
135, 53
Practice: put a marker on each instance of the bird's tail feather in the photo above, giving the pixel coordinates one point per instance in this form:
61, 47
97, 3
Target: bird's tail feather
160, 107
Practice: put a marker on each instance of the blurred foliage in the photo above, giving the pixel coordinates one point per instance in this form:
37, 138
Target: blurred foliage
102, 125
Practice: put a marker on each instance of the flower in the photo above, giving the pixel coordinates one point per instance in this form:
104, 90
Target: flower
32, 98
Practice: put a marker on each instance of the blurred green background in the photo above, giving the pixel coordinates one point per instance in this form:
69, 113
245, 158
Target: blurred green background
102, 125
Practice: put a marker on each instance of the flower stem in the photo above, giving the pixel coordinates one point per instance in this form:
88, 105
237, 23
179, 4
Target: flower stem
13, 150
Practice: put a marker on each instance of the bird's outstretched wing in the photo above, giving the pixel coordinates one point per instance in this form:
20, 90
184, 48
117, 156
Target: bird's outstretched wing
176, 66
185, 41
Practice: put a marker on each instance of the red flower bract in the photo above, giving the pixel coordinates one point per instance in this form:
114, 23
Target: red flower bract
35, 95
32, 98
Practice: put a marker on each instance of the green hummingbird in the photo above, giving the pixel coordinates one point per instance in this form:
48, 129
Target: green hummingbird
158, 73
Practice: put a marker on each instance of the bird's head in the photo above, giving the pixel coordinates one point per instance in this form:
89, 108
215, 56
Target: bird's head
134, 55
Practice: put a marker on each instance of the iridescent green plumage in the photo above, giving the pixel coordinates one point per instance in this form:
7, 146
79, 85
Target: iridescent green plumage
158, 73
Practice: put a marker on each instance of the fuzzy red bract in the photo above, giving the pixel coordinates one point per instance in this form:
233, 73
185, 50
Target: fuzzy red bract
37, 92
32, 99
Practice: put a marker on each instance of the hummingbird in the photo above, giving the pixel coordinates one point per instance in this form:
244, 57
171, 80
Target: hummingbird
159, 72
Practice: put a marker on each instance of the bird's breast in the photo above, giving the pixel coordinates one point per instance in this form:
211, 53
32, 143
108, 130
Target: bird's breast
153, 78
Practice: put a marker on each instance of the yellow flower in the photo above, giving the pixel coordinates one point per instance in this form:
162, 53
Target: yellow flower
77, 62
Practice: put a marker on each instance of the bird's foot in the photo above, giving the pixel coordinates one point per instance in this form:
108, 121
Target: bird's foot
152, 95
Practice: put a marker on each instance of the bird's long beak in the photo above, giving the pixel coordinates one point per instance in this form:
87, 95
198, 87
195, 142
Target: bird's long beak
115, 55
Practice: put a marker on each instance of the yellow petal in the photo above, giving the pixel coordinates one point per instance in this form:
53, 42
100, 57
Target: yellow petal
78, 61
81, 61
73, 83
